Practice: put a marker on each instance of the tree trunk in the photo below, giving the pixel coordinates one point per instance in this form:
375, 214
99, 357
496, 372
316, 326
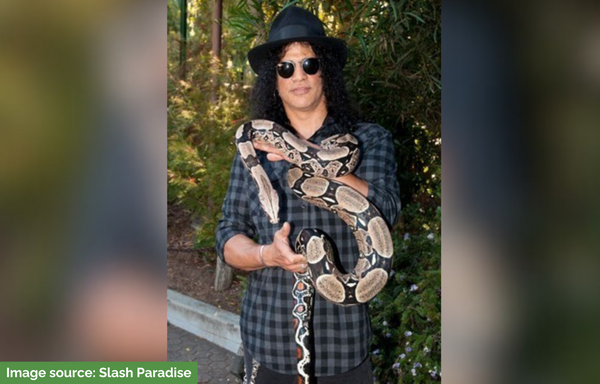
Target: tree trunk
224, 276
258, 14
216, 47
183, 35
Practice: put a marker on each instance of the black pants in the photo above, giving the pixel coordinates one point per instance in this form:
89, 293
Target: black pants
363, 374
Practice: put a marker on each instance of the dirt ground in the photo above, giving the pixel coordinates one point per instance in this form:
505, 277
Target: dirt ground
192, 272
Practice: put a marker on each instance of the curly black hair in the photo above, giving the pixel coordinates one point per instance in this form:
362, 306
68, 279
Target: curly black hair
266, 104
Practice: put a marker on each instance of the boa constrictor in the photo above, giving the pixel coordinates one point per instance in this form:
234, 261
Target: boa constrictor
309, 177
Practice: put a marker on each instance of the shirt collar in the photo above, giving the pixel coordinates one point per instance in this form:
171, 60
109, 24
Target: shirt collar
329, 128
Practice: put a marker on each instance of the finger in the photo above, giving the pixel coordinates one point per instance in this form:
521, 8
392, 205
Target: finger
259, 145
264, 146
298, 259
274, 157
290, 257
300, 268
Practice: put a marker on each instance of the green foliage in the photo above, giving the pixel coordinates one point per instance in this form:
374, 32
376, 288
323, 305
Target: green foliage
406, 315
201, 128
200, 152
393, 74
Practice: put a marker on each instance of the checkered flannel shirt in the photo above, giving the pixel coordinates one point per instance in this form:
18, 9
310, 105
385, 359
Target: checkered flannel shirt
341, 334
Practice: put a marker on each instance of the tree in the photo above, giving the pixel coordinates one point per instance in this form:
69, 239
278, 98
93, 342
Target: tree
183, 32
216, 37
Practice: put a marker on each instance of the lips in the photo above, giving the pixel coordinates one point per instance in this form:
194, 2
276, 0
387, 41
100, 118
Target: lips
300, 90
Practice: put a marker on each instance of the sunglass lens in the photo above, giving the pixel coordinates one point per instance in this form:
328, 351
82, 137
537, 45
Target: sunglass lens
285, 69
310, 66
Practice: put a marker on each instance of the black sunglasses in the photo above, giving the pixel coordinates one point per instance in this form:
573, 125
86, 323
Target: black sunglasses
310, 66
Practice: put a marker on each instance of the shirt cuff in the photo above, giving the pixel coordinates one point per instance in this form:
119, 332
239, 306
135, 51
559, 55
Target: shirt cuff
384, 202
223, 236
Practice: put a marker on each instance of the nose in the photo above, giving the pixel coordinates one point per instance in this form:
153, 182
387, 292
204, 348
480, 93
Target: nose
299, 73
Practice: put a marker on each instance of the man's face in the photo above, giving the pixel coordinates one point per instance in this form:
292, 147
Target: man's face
301, 92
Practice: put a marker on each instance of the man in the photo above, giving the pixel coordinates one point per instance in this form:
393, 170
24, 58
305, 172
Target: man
309, 97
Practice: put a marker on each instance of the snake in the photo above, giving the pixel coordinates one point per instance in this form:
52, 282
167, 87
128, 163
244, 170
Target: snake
310, 177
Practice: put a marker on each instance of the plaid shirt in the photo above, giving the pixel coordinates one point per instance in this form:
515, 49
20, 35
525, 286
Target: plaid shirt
341, 334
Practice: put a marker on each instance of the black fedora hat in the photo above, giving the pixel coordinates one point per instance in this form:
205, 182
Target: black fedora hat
295, 24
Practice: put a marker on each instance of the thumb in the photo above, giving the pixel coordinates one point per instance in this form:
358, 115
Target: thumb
284, 232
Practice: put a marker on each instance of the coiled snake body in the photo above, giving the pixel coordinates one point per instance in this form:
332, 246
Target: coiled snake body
309, 177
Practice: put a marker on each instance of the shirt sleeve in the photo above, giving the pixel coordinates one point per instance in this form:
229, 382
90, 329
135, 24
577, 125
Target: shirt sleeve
236, 218
378, 168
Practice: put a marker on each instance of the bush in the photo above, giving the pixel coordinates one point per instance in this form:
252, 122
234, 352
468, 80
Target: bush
406, 315
200, 130
200, 153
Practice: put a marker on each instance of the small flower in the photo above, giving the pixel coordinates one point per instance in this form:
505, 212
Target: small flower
396, 366
376, 352
414, 287
408, 349
426, 350
417, 365
388, 335
407, 333
385, 323
431, 236
406, 236
414, 372
402, 356
402, 277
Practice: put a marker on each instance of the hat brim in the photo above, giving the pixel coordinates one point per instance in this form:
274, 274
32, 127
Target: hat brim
257, 55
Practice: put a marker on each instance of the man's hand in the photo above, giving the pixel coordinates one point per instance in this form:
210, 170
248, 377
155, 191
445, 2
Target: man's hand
273, 153
279, 253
